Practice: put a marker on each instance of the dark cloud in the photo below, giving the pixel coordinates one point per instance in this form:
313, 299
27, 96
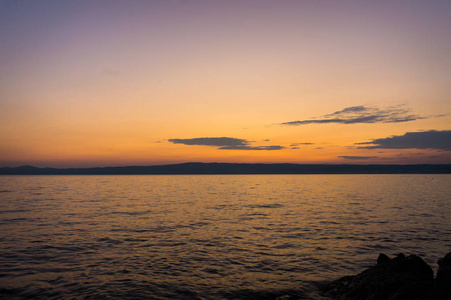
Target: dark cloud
298, 144
224, 143
362, 114
440, 140
276, 147
211, 141
356, 157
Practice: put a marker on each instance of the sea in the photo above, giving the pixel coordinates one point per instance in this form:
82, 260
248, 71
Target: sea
211, 236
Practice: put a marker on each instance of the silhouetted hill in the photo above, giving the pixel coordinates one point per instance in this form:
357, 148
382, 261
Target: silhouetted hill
234, 168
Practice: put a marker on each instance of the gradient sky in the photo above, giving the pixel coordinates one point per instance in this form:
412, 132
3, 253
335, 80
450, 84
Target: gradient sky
98, 83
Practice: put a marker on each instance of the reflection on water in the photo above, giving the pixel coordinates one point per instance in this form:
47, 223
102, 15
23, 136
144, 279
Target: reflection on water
210, 237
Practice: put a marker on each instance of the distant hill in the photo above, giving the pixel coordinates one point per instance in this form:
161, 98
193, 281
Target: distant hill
234, 168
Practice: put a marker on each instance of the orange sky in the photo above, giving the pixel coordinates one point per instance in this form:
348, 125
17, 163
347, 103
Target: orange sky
116, 82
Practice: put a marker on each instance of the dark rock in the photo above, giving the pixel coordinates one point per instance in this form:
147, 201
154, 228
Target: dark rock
382, 259
442, 284
394, 279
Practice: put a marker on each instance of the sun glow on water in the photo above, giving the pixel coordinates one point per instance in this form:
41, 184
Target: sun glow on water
222, 236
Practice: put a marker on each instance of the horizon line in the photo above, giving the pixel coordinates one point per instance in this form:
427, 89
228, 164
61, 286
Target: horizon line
235, 168
233, 163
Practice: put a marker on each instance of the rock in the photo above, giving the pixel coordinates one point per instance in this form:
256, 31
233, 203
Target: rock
442, 284
382, 259
394, 279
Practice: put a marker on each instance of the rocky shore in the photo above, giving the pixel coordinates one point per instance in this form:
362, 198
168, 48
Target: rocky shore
399, 278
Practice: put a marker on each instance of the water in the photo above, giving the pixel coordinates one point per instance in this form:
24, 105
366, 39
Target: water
210, 237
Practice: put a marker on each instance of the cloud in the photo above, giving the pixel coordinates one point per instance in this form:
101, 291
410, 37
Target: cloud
298, 144
224, 143
356, 157
211, 141
362, 114
275, 147
440, 140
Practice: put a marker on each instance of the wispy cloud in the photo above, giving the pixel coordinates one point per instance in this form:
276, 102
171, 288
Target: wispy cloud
439, 140
224, 143
274, 147
356, 157
211, 141
298, 144
362, 114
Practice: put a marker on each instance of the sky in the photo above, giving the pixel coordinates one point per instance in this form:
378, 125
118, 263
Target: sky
117, 83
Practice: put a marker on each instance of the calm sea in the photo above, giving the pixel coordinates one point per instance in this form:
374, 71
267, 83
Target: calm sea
210, 237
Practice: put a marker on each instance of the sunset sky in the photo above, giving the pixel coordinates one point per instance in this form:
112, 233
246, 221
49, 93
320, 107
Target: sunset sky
115, 83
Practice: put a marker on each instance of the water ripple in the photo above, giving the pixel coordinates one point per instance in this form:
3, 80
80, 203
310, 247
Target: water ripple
209, 237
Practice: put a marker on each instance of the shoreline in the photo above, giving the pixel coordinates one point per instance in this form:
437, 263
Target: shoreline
401, 277
235, 168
